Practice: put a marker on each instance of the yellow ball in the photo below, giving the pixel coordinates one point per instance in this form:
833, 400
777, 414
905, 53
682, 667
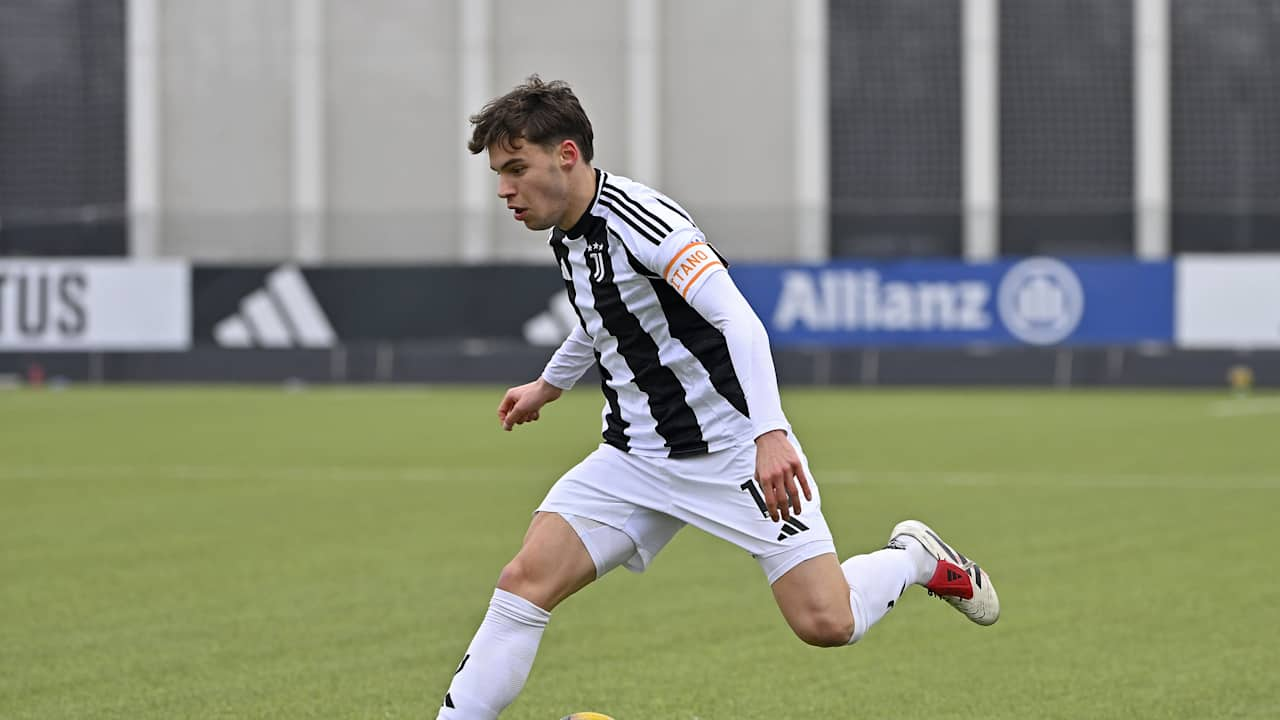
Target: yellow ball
586, 716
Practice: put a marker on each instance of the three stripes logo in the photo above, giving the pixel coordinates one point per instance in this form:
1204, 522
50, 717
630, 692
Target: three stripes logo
284, 313
790, 526
448, 697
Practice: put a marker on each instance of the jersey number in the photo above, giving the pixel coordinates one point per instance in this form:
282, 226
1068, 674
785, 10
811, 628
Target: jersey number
750, 486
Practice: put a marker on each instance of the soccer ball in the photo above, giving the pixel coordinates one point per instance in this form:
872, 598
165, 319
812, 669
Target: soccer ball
586, 716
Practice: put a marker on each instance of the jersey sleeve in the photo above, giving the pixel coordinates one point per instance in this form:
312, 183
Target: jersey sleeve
686, 260
574, 356
663, 239
722, 304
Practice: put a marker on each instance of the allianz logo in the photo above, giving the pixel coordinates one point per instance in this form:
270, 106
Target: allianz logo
1039, 301
830, 300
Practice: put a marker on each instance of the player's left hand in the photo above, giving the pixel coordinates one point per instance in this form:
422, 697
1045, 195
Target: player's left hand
778, 467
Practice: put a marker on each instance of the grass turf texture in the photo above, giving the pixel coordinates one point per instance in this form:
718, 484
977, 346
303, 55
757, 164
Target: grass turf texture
254, 553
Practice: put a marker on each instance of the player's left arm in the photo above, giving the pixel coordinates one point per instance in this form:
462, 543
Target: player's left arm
778, 466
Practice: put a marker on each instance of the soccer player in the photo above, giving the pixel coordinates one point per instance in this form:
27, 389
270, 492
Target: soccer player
693, 428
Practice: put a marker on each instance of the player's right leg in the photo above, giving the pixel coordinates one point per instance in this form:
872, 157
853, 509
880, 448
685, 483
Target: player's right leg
551, 565
596, 517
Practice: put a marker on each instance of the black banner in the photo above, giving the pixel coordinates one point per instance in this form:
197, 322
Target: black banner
287, 306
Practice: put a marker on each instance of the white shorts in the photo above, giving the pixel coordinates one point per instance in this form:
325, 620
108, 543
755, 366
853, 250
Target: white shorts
650, 499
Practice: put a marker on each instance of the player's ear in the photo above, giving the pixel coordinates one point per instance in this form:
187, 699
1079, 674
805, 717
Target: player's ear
568, 154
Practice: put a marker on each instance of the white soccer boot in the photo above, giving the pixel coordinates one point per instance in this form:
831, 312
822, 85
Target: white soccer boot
958, 580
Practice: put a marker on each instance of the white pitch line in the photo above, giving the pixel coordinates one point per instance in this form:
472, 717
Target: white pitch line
234, 472
1051, 479
825, 476
1244, 407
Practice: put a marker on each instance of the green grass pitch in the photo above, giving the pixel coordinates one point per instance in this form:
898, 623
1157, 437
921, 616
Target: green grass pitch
257, 553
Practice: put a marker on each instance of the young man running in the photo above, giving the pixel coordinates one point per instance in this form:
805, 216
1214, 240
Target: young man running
694, 432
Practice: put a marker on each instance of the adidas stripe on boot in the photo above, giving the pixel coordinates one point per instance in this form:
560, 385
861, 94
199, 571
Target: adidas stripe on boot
958, 580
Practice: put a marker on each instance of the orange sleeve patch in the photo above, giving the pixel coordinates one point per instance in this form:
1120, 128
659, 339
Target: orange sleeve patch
689, 265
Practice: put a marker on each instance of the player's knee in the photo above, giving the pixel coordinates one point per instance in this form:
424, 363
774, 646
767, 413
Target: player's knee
517, 577
829, 629
534, 583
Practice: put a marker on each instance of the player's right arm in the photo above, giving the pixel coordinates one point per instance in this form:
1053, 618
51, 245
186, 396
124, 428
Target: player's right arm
522, 404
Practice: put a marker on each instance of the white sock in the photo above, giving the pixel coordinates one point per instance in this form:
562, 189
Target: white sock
498, 660
876, 581
926, 564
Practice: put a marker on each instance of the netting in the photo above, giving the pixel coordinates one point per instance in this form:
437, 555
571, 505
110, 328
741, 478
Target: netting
1225, 124
62, 127
1066, 126
895, 127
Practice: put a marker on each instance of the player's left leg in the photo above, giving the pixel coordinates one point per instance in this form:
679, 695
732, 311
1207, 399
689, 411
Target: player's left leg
826, 602
811, 594
957, 579
814, 598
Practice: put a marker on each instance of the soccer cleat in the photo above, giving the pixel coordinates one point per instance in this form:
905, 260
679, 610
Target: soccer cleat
958, 580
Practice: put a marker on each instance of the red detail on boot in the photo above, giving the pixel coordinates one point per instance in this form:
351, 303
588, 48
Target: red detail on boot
950, 580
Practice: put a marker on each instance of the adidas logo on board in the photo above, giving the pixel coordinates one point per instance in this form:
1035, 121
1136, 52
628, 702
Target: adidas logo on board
284, 313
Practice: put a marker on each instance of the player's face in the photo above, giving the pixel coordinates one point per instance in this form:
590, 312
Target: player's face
533, 181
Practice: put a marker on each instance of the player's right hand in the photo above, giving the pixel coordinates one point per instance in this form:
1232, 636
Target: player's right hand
522, 403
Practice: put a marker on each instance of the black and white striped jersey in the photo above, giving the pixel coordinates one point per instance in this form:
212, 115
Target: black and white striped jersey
629, 264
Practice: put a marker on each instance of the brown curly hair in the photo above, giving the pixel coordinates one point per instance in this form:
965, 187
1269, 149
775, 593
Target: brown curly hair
544, 113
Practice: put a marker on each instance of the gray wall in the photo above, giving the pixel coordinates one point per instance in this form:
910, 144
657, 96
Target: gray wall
224, 69
728, 121
394, 124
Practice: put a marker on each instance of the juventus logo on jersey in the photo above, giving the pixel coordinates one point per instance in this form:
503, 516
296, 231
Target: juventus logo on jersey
658, 358
595, 259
